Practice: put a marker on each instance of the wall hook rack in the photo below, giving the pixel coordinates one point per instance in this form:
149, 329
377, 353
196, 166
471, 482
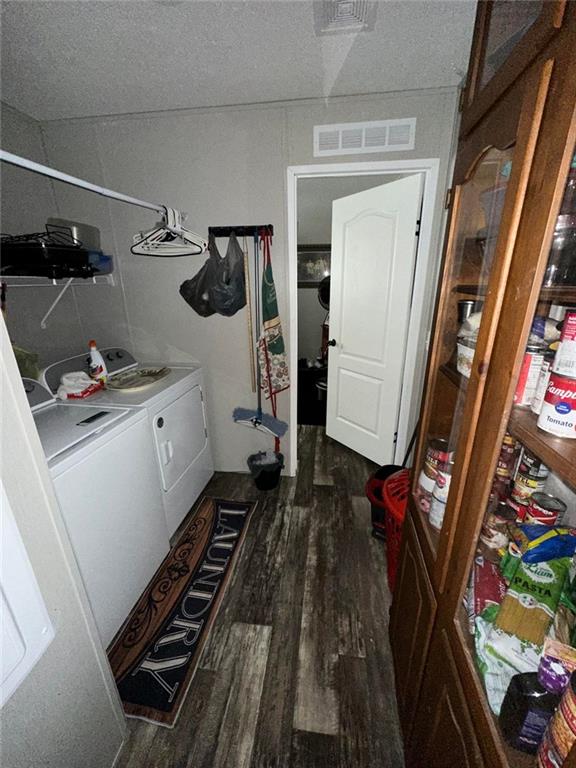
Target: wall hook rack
242, 230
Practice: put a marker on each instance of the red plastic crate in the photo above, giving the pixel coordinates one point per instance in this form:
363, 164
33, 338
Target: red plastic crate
395, 495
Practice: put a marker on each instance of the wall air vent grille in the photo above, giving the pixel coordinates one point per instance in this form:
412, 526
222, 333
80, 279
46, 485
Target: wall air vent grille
362, 138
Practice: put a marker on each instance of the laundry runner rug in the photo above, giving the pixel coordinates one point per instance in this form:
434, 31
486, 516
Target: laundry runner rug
155, 655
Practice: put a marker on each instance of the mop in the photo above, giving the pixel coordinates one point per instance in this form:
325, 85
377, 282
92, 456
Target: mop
263, 422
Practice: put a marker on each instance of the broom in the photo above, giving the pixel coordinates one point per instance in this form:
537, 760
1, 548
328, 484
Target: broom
263, 422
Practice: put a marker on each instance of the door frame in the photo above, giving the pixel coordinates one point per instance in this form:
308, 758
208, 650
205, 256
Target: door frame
429, 167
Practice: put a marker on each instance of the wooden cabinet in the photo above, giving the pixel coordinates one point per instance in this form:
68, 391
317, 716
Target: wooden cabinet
509, 263
444, 732
410, 639
508, 36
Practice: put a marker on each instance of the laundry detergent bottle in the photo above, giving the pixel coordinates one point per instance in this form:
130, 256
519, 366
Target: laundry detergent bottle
98, 369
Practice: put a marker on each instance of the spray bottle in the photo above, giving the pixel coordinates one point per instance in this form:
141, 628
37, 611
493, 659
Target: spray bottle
98, 369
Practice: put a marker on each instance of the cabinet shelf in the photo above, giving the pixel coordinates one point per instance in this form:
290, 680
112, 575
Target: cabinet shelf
559, 293
451, 373
558, 453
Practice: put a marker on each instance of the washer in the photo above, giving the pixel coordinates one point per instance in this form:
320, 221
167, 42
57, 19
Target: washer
176, 412
104, 473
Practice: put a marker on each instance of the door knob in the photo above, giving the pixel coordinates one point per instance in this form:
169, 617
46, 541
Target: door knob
332, 343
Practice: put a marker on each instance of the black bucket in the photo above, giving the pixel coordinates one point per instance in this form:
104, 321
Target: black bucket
266, 476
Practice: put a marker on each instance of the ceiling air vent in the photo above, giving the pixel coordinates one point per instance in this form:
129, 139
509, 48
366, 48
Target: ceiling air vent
362, 138
333, 17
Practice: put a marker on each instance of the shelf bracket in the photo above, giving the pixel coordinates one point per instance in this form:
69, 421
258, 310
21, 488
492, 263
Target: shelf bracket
55, 303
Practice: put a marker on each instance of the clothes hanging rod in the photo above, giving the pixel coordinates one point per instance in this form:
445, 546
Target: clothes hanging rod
44, 170
240, 230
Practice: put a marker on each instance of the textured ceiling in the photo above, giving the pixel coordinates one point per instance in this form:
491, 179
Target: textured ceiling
78, 58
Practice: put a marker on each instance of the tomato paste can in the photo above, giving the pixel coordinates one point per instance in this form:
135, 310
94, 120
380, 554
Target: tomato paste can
545, 509
560, 733
440, 494
558, 414
565, 360
529, 375
436, 453
542, 385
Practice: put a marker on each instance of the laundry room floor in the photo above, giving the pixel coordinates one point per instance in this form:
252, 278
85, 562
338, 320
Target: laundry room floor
297, 671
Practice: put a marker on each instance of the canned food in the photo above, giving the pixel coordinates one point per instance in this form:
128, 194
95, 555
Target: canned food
565, 360
560, 733
558, 414
524, 487
440, 494
529, 374
507, 457
542, 385
530, 465
494, 532
544, 508
436, 453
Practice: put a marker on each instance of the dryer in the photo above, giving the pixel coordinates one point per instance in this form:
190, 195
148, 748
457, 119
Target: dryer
176, 412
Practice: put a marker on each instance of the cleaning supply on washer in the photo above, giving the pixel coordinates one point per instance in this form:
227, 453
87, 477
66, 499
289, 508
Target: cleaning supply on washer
77, 385
98, 368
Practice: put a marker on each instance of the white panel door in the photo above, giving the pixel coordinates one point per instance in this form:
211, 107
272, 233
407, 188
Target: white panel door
373, 254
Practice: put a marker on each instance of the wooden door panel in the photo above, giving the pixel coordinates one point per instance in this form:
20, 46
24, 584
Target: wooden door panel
411, 622
444, 734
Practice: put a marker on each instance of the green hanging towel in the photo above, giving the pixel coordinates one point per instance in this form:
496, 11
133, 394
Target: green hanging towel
271, 350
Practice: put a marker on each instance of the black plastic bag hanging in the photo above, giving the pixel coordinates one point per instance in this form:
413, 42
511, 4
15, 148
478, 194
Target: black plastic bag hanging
219, 285
228, 293
196, 291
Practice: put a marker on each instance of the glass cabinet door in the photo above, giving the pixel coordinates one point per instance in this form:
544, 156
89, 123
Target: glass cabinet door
508, 36
478, 211
520, 607
508, 23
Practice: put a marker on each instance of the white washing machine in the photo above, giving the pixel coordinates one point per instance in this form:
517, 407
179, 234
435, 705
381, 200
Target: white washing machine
175, 405
104, 473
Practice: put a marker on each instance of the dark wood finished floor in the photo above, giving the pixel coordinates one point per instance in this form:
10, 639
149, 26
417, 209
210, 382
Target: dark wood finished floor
297, 672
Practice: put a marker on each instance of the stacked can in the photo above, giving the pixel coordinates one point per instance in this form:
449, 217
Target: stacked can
529, 375
437, 453
558, 412
530, 477
440, 494
560, 732
507, 461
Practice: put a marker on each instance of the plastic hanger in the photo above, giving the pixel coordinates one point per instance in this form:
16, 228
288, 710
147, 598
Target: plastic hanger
169, 238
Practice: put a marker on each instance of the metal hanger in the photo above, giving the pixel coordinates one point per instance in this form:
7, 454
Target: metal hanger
169, 238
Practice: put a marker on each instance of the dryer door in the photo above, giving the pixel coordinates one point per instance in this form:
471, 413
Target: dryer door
180, 435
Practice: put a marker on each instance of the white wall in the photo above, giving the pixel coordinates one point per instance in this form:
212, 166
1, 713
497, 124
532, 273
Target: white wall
66, 713
223, 166
88, 311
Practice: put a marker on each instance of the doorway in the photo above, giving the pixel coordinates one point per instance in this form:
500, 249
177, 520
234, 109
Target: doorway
311, 192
